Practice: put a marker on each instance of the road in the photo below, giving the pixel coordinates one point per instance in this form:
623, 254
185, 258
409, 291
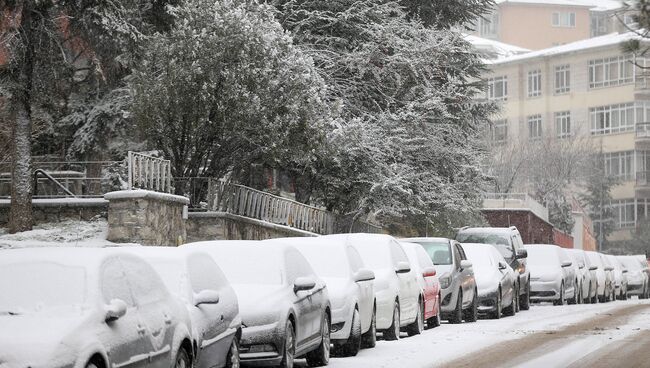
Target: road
603, 335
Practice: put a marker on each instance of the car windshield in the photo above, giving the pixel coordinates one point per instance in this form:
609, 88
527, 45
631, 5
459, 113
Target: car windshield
374, 255
595, 260
35, 285
247, 267
631, 264
500, 242
542, 256
438, 251
480, 256
327, 261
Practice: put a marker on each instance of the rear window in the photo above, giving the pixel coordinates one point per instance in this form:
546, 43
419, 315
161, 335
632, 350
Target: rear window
439, 252
500, 241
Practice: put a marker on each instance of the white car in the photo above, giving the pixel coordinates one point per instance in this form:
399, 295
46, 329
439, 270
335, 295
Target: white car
637, 279
350, 287
396, 289
427, 277
495, 280
93, 308
284, 305
604, 277
586, 272
551, 276
193, 277
620, 277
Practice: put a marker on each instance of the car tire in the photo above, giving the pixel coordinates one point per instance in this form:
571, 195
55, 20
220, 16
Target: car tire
352, 346
560, 300
457, 314
369, 339
434, 321
289, 346
524, 300
232, 359
510, 310
574, 299
182, 359
498, 306
321, 356
91, 365
417, 326
471, 314
392, 333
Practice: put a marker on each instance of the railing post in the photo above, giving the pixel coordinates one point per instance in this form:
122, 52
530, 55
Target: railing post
130, 169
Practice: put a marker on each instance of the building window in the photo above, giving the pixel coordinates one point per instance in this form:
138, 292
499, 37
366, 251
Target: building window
500, 130
562, 79
611, 71
563, 124
489, 26
623, 212
535, 126
599, 24
498, 88
612, 118
564, 19
620, 164
534, 83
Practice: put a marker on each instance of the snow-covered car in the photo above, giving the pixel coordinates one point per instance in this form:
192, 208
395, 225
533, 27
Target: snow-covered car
637, 279
509, 243
603, 276
284, 306
551, 276
425, 273
620, 277
194, 277
495, 280
397, 292
79, 307
586, 272
350, 287
458, 292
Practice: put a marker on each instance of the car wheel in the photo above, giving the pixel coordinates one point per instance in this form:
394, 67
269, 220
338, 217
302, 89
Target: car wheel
496, 314
574, 299
232, 359
182, 359
417, 326
435, 320
515, 299
369, 339
471, 314
353, 344
457, 315
392, 333
560, 300
91, 365
289, 347
524, 300
510, 310
321, 356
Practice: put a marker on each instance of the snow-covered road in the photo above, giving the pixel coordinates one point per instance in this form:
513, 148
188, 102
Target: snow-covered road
546, 336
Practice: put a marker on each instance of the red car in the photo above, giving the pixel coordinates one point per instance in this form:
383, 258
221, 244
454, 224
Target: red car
429, 285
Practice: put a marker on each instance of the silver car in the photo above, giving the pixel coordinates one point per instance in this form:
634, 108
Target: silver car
284, 305
588, 289
457, 283
193, 277
637, 278
620, 277
604, 276
552, 277
77, 307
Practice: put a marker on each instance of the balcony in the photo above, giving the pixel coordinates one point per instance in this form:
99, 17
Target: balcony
642, 187
514, 201
642, 138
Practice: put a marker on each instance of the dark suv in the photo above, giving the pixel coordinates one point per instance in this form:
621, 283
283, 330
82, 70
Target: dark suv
508, 242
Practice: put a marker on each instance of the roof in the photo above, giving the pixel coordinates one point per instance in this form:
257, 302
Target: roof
494, 49
612, 39
594, 5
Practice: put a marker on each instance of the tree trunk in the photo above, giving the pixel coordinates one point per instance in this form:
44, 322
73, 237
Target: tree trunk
20, 213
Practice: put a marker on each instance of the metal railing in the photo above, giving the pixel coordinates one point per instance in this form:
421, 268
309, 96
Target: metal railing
515, 200
244, 201
643, 130
147, 172
642, 178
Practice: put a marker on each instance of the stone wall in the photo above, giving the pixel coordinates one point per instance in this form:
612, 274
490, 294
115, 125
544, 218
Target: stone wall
146, 217
225, 226
59, 209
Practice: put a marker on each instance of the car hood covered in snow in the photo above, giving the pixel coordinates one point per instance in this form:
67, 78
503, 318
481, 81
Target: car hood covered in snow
545, 272
260, 304
487, 279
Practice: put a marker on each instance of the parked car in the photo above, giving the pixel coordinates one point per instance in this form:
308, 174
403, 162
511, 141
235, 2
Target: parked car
399, 301
350, 287
284, 305
457, 284
604, 277
551, 276
99, 308
620, 277
586, 275
425, 273
193, 277
637, 279
508, 242
495, 280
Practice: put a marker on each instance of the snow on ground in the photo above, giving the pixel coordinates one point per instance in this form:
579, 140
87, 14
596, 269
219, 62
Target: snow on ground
448, 342
65, 233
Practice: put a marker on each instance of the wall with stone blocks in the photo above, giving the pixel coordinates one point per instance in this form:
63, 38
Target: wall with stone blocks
59, 209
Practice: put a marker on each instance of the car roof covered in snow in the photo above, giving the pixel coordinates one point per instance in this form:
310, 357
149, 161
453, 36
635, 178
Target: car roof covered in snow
486, 230
90, 258
362, 238
424, 239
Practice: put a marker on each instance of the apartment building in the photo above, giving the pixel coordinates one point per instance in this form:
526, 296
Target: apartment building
587, 87
540, 24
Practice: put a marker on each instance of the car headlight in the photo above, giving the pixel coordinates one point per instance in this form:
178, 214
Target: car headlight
445, 281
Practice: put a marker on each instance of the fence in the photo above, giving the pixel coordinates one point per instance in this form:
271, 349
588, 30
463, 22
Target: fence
151, 173
249, 202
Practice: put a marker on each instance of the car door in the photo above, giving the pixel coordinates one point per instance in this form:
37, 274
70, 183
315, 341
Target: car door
408, 287
466, 275
366, 290
430, 293
157, 317
307, 312
126, 345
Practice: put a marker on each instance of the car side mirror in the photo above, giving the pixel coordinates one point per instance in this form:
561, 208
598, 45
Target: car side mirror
429, 272
465, 264
403, 267
115, 310
303, 284
521, 253
581, 266
593, 268
624, 271
566, 264
206, 297
364, 275
502, 265
608, 268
